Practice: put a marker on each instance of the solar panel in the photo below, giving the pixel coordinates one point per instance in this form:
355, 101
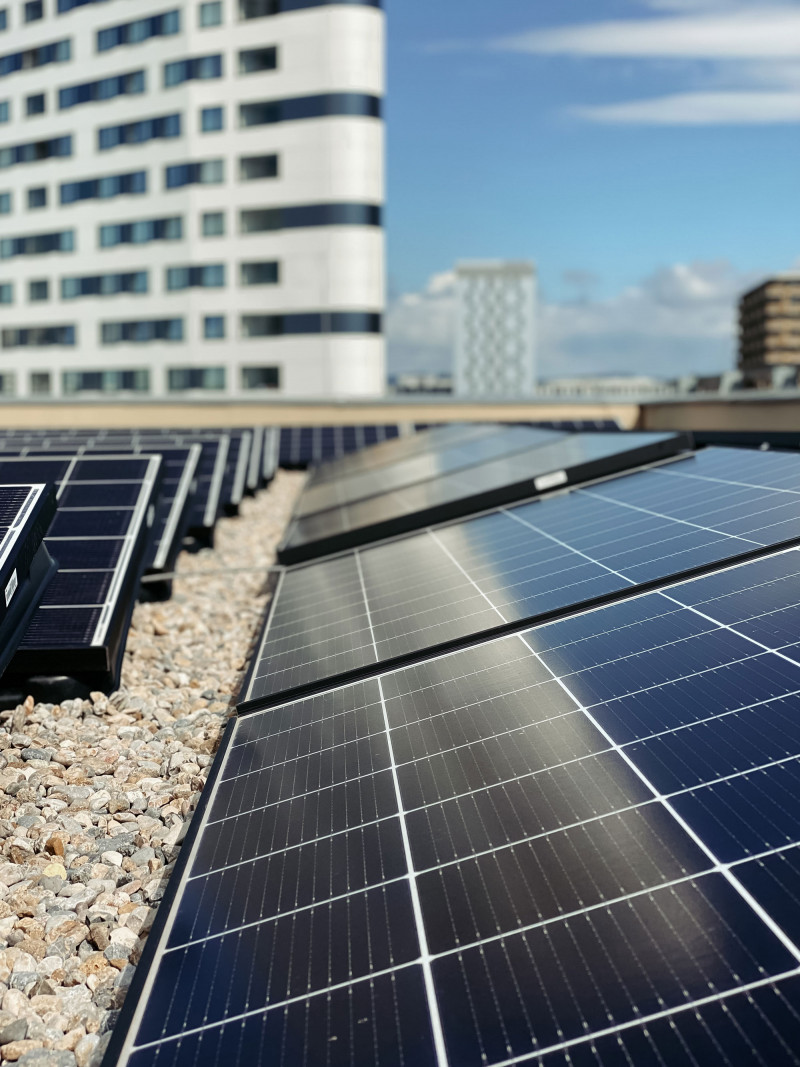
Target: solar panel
449, 583
98, 537
397, 449
25, 565
432, 463
576, 844
256, 459
301, 446
272, 441
175, 493
559, 461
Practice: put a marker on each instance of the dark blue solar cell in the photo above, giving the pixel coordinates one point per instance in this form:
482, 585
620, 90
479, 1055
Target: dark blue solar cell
774, 881
513, 996
747, 814
721, 746
753, 1029
308, 950
701, 696
382, 1020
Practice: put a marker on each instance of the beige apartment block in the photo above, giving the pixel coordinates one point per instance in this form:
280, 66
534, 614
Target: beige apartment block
769, 328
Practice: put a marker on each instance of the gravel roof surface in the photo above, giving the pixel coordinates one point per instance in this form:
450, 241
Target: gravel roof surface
96, 795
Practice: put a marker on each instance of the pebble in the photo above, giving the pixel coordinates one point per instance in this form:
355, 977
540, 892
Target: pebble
96, 795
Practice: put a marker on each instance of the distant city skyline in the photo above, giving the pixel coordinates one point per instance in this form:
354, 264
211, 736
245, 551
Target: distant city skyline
643, 152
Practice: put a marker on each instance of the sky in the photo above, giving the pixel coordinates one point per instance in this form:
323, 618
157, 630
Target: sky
644, 153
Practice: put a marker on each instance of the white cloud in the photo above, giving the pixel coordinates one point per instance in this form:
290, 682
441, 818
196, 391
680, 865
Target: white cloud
700, 109
741, 33
678, 320
750, 56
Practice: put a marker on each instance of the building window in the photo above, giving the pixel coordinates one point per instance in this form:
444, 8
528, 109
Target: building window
259, 273
5, 203
7, 293
40, 383
256, 60
8, 384
56, 52
260, 220
214, 327
38, 337
104, 89
35, 151
165, 126
3, 18
256, 9
211, 276
5, 110
212, 119
310, 322
37, 197
37, 244
199, 68
39, 290
140, 232
104, 188
261, 378
35, 104
141, 332
265, 112
105, 284
33, 11
251, 168
106, 381
210, 14
213, 224
182, 378
210, 172
142, 30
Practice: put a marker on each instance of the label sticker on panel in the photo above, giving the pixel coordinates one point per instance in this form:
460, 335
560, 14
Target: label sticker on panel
11, 588
549, 481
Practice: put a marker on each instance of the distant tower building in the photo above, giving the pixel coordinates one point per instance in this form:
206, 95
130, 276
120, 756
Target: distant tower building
495, 329
190, 199
769, 330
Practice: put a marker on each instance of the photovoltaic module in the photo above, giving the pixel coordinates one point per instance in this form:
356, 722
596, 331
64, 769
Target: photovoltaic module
574, 844
431, 590
26, 511
76, 637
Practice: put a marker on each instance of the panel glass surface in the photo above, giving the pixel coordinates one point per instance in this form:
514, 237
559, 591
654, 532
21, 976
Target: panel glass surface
460, 579
464, 490
559, 846
432, 463
398, 449
178, 474
94, 540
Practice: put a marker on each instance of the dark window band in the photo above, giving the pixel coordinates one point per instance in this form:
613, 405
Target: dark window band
321, 105
257, 220
253, 9
311, 322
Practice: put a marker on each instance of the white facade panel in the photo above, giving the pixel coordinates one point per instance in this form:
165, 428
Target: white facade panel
495, 329
326, 184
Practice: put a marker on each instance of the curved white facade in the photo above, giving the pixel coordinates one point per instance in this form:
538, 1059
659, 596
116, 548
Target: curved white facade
298, 313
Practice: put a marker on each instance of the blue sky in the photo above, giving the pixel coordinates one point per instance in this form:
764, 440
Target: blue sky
644, 153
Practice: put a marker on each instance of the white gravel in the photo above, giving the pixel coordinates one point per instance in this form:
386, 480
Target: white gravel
96, 795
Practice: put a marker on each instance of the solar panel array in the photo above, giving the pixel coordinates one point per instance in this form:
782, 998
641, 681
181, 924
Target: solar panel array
552, 460
98, 538
26, 511
430, 590
575, 844
302, 446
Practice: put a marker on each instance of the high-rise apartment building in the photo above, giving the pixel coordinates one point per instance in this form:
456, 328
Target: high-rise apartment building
495, 329
190, 198
769, 328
